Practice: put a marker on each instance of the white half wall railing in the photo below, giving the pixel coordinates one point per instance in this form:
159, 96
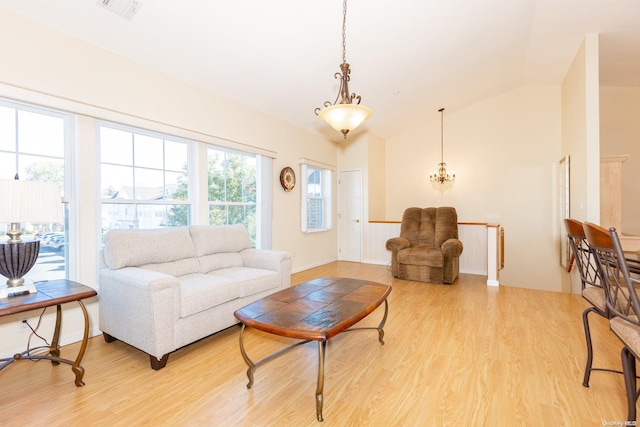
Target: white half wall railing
483, 243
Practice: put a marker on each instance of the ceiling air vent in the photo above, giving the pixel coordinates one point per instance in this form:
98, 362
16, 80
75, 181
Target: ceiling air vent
123, 8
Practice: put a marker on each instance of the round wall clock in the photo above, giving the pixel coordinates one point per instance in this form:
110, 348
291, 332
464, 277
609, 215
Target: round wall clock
287, 179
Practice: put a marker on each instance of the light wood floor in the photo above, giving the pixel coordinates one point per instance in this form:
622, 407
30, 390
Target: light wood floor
463, 355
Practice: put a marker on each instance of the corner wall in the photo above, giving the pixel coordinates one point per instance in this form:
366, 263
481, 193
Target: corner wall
503, 151
581, 139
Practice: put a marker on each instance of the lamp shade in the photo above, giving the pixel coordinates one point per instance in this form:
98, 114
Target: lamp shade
345, 116
29, 201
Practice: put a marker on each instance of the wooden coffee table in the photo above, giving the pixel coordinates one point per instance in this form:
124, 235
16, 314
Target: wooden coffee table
313, 311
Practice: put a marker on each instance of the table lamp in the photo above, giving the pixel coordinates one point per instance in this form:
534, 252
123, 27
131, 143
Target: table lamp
24, 202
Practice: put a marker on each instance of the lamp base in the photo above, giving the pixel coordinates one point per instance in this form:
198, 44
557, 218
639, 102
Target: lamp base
12, 291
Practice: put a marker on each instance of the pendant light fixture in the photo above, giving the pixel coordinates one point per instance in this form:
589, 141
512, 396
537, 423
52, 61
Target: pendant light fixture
345, 115
442, 180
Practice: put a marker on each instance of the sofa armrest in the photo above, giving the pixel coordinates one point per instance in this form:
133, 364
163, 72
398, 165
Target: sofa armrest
137, 278
140, 307
397, 243
264, 259
452, 248
278, 261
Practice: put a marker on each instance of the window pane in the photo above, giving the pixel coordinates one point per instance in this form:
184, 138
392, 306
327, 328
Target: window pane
217, 214
314, 182
40, 134
249, 180
216, 176
116, 181
7, 165
149, 184
315, 213
233, 177
176, 156
7, 128
148, 151
152, 216
116, 146
177, 188
178, 215
116, 215
33, 168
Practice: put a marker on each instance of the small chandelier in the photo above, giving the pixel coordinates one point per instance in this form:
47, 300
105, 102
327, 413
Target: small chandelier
442, 180
345, 115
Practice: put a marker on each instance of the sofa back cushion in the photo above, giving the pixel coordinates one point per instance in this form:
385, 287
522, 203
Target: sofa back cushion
214, 239
219, 246
137, 248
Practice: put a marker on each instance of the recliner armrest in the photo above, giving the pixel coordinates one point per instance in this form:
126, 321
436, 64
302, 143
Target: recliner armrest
452, 248
397, 243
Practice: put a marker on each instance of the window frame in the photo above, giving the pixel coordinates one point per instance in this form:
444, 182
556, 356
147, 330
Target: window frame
255, 233
326, 178
70, 223
135, 202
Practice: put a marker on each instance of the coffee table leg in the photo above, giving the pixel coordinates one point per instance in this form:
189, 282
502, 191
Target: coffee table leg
252, 367
322, 346
382, 322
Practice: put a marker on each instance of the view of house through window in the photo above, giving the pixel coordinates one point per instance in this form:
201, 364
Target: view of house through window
232, 184
143, 179
33, 143
316, 198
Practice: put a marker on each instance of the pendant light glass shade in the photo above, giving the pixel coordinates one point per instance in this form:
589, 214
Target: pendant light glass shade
344, 114
343, 117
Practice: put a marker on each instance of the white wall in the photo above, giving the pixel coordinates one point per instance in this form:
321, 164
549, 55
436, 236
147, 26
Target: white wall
581, 139
620, 134
504, 152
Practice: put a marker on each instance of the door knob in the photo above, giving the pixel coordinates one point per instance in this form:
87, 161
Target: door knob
356, 220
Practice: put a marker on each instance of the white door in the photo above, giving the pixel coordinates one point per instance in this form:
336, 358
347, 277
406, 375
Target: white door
350, 216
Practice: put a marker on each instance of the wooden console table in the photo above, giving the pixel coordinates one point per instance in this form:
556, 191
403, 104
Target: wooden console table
50, 293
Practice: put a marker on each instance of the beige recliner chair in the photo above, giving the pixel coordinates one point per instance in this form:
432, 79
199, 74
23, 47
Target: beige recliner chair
428, 248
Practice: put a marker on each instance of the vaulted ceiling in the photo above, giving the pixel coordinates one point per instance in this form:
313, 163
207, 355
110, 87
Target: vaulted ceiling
408, 57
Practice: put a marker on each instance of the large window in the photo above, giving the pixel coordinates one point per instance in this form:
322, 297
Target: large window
316, 198
33, 144
232, 189
144, 178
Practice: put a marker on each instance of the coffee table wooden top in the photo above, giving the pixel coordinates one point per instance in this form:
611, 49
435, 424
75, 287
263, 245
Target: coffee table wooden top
315, 310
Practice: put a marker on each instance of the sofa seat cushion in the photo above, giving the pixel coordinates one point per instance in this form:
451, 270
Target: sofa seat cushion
178, 268
220, 261
421, 255
200, 292
249, 281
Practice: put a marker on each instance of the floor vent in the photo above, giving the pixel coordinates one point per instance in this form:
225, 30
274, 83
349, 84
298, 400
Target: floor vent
123, 8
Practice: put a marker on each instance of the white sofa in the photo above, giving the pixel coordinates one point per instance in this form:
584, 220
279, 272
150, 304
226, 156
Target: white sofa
162, 289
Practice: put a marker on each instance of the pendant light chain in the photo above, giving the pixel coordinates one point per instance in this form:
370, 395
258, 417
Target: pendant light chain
442, 135
344, 31
441, 180
345, 113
